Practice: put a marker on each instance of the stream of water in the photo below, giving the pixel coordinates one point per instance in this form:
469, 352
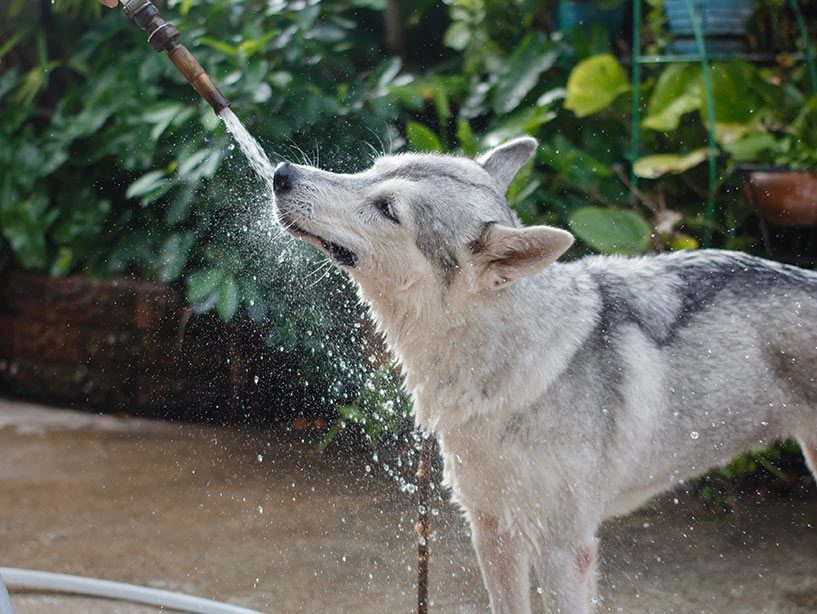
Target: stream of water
250, 148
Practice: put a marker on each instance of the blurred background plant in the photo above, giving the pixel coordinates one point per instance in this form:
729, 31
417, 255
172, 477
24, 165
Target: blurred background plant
111, 165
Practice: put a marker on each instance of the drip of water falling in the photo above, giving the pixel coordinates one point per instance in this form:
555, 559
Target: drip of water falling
250, 148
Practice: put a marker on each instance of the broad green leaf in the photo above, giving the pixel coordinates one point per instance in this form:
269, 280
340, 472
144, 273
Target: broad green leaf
677, 91
733, 93
534, 56
611, 231
525, 121
574, 165
145, 184
228, 298
457, 36
748, 148
193, 161
160, 117
595, 83
203, 284
174, 254
422, 138
652, 167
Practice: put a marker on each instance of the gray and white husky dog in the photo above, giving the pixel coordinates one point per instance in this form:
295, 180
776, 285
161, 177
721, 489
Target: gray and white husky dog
561, 393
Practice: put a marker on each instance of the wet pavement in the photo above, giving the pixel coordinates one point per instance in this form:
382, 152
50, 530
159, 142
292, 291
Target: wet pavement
261, 520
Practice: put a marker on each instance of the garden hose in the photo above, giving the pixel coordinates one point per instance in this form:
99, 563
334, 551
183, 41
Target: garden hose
78, 585
5, 601
162, 36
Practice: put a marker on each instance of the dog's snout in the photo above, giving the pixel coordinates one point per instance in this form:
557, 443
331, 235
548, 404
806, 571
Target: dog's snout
284, 177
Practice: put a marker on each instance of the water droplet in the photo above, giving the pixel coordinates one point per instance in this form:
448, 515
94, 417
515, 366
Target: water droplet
694, 434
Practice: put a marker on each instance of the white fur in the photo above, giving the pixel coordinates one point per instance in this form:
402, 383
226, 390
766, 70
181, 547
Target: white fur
561, 394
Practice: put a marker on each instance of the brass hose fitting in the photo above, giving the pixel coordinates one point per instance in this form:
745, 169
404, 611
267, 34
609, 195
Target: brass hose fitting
162, 36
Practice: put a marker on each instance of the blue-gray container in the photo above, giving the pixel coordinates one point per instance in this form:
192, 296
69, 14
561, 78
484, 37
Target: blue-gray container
583, 13
723, 24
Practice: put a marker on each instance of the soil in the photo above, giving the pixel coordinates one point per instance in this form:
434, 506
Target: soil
262, 520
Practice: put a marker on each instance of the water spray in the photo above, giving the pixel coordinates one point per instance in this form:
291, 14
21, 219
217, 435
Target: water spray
162, 36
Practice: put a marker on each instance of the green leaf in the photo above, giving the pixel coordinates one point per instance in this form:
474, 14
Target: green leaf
145, 184
465, 135
677, 91
219, 45
161, 116
173, 257
749, 147
193, 161
24, 225
457, 36
652, 167
611, 231
422, 138
534, 56
12, 42
733, 92
228, 298
203, 284
595, 83
62, 263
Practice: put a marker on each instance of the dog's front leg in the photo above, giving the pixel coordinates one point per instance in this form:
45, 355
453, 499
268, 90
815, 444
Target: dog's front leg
505, 563
567, 575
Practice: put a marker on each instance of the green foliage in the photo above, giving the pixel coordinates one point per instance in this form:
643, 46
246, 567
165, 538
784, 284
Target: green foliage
381, 408
612, 231
594, 84
110, 164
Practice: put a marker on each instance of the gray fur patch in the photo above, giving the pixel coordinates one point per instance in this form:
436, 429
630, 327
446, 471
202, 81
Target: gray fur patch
435, 241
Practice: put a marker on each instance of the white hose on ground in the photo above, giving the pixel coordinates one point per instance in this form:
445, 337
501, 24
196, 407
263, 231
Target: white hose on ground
5, 602
44, 580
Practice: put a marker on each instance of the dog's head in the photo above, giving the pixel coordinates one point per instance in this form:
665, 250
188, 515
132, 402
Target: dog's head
420, 220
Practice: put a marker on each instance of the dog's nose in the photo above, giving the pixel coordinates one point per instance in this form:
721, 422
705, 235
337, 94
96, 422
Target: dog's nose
284, 177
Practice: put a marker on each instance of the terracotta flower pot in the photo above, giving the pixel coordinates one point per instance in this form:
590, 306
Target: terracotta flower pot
785, 198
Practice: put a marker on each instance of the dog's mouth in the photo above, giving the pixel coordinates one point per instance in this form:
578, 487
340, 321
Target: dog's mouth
338, 253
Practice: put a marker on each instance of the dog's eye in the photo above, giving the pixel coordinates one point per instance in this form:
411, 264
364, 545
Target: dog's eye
384, 206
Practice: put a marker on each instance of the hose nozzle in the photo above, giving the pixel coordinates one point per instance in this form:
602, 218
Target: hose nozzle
162, 36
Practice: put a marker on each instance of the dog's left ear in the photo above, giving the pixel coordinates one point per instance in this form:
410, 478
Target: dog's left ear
503, 162
503, 254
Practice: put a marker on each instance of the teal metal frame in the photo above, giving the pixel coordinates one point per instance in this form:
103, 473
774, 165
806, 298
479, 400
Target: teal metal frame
704, 59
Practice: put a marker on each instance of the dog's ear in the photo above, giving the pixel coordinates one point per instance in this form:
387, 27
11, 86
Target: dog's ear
502, 254
503, 162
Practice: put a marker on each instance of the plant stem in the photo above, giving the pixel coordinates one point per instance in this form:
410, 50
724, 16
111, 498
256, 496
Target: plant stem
422, 528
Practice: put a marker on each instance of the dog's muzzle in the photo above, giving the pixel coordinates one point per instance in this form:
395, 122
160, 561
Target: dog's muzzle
282, 182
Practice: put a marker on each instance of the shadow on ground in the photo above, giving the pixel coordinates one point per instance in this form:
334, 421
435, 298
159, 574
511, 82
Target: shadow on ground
263, 521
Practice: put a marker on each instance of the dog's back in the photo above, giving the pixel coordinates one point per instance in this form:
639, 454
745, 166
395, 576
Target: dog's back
693, 358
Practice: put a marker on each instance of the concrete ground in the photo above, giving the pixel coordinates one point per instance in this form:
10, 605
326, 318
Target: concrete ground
260, 520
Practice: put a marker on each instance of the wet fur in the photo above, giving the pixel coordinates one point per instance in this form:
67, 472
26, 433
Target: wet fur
561, 394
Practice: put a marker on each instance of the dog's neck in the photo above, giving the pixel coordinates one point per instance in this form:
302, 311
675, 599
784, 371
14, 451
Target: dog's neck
454, 356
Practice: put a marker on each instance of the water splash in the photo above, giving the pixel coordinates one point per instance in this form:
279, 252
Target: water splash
250, 148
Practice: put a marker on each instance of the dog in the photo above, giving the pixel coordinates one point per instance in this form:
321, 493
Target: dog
560, 393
